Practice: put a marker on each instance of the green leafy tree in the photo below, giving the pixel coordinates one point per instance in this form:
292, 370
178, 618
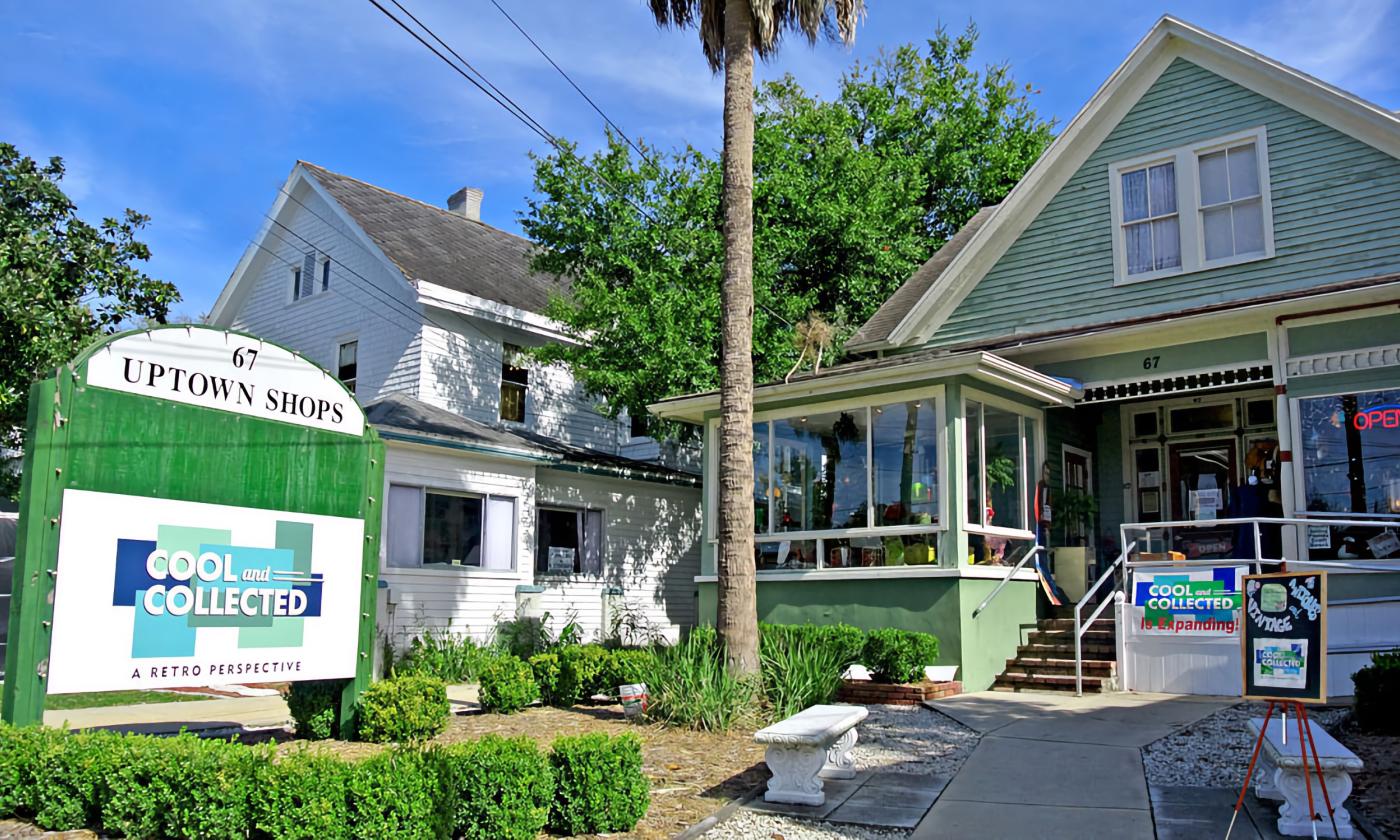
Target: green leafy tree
850, 197
62, 283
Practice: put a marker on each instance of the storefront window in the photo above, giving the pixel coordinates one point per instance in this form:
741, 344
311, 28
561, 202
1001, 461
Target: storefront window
761, 492
1351, 464
785, 554
904, 440
819, 471
1001, 467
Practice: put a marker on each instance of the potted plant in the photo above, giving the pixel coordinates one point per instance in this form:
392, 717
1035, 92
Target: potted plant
1076, 510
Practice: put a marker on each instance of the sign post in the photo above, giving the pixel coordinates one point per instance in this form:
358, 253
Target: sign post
198, 507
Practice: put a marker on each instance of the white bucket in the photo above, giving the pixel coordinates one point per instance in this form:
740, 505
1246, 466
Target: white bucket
634, 698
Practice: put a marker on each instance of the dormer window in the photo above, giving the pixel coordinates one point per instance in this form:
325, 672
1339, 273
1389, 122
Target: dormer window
515, 380
1193, 208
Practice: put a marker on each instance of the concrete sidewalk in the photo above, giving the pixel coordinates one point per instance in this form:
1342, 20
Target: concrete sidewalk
1051, 766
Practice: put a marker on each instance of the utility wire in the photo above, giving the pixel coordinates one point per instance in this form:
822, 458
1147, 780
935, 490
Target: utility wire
574, 85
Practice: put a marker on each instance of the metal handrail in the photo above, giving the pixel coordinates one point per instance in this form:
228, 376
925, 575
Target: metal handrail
1020, 564
1078, 608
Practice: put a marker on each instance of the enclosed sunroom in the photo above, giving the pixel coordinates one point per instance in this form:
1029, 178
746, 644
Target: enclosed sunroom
894, 492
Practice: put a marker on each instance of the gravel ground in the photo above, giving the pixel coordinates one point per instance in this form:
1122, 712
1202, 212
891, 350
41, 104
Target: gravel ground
1214, 751
893, 739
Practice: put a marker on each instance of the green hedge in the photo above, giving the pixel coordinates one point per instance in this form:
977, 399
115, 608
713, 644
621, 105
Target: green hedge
187, 787
1377, 690
625, 667
898, 656
315, 706
507, 685
401, 709
599, 785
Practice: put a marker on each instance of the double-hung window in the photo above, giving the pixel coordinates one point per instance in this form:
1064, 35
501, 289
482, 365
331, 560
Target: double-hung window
347, 363
1191, 208
515, 381
569, 541
443, 529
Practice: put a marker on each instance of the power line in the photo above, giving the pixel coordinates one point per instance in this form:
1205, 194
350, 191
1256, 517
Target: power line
511, 107
574, 85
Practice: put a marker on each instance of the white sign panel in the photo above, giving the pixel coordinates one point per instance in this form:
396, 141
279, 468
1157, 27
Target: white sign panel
158, 593
215, 369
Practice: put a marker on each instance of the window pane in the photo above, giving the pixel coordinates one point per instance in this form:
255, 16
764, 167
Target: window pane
1135, 195
451, 530
1032, 472
819, 470
512, 402
1138, 244
405, 523
593, 542
1201, 418
972, 442
1162, 181
786, 554
558, 541
1351, 464
1166, 240
1215, 186
905, 442
1006, 497
1219, 239
761, 492
500, 534
1244, 172
1249, 228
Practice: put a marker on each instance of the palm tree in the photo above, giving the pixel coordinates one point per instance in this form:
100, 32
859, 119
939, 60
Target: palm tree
731, 31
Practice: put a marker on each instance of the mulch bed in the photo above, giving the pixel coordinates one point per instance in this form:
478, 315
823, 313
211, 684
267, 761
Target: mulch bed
1377, 788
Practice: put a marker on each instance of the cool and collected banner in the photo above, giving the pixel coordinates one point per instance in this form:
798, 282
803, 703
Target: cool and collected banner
1285, 637
1187, 602
155, 593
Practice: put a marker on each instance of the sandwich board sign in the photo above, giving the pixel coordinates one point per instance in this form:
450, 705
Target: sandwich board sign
1284, 637
198, 508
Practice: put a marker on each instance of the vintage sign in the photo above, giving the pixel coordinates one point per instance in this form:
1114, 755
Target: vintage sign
228, 372
182, 593
1188, 602
1284, 637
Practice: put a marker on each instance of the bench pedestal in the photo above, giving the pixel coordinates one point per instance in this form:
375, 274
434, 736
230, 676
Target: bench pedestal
806, 747
1280, 777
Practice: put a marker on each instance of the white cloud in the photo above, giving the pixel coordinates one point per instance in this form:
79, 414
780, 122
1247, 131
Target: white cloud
1347, 43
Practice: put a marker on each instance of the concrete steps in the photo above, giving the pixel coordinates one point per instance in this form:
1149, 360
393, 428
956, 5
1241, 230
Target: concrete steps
1046, 661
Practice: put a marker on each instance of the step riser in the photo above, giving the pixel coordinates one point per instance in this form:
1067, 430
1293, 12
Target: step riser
1055, 636
1091, 669
1101, 652
1101, 623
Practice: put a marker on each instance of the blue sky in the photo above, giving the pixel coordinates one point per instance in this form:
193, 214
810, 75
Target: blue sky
194, 112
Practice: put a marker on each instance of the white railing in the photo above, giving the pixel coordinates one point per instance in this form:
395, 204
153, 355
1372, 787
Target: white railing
1020, 564
1255, 522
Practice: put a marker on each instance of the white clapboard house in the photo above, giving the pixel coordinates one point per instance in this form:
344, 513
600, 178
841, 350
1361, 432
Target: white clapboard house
507, 489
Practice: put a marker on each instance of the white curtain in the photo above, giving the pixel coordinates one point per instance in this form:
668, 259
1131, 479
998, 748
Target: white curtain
405, 542
499, 552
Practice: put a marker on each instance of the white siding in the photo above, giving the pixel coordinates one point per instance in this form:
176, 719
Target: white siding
460, 602
389, 334
651, 536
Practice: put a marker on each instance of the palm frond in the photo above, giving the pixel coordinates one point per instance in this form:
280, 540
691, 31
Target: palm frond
834, 19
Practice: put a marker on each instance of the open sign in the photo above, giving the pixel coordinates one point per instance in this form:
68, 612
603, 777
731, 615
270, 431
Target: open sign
1383, 416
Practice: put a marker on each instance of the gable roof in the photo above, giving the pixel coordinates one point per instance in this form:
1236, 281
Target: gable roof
877, 330
432, 245
1170, 38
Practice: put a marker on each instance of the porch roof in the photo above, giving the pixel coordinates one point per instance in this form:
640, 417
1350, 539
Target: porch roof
894, 371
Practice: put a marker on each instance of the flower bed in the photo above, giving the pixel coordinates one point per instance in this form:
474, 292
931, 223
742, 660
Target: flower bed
869, 692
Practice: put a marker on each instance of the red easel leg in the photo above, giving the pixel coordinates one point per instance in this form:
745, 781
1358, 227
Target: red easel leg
1259, 742
1303, 753
1317, 765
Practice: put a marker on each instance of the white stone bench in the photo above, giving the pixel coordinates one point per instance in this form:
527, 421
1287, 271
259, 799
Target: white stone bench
811, 743
1280, 776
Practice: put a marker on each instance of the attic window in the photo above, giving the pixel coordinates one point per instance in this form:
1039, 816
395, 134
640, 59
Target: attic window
325, 274
348, 363
515, 380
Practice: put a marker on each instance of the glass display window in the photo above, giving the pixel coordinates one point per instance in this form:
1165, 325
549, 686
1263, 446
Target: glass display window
1351, 465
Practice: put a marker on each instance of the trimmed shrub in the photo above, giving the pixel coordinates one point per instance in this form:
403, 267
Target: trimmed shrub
1377, 690
178, 787
315, 706
625, 666
302, 796
498, 788
398, 793
507, 685
548, 677
64, 789
688, 685
598, 784
20, 748
898, 656
583, 669
799, 672
437, 654
411, 707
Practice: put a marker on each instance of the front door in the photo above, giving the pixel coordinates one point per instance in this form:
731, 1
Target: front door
1202, 479
1078, 467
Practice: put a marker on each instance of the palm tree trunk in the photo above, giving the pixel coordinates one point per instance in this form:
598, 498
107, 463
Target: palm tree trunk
737, 602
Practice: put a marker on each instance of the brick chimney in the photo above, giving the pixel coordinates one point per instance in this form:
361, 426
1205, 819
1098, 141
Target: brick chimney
466, 202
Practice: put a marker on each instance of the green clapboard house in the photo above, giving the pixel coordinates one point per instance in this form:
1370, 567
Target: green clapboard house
1188, 309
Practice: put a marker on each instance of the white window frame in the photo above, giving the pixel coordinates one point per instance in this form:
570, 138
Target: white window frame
485, 497
1188, 205
581, 512
1032, 456
335, 356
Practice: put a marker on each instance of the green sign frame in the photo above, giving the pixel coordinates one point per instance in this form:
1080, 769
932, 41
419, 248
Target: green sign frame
84, 437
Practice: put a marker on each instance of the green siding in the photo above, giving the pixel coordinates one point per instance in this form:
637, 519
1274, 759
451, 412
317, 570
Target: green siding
1250, 348
1343, 335
1336, 202
1109, 466
1342, 382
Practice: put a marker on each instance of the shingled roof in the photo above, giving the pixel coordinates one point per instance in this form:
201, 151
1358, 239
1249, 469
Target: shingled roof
877, 330
430, 244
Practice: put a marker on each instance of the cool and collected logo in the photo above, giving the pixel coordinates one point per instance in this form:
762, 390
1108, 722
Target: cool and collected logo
191, 578
1206, 601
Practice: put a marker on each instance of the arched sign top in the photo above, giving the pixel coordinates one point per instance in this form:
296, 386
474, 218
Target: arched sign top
225, 371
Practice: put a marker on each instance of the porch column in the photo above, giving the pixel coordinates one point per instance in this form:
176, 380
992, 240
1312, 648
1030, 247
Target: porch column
955, 470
